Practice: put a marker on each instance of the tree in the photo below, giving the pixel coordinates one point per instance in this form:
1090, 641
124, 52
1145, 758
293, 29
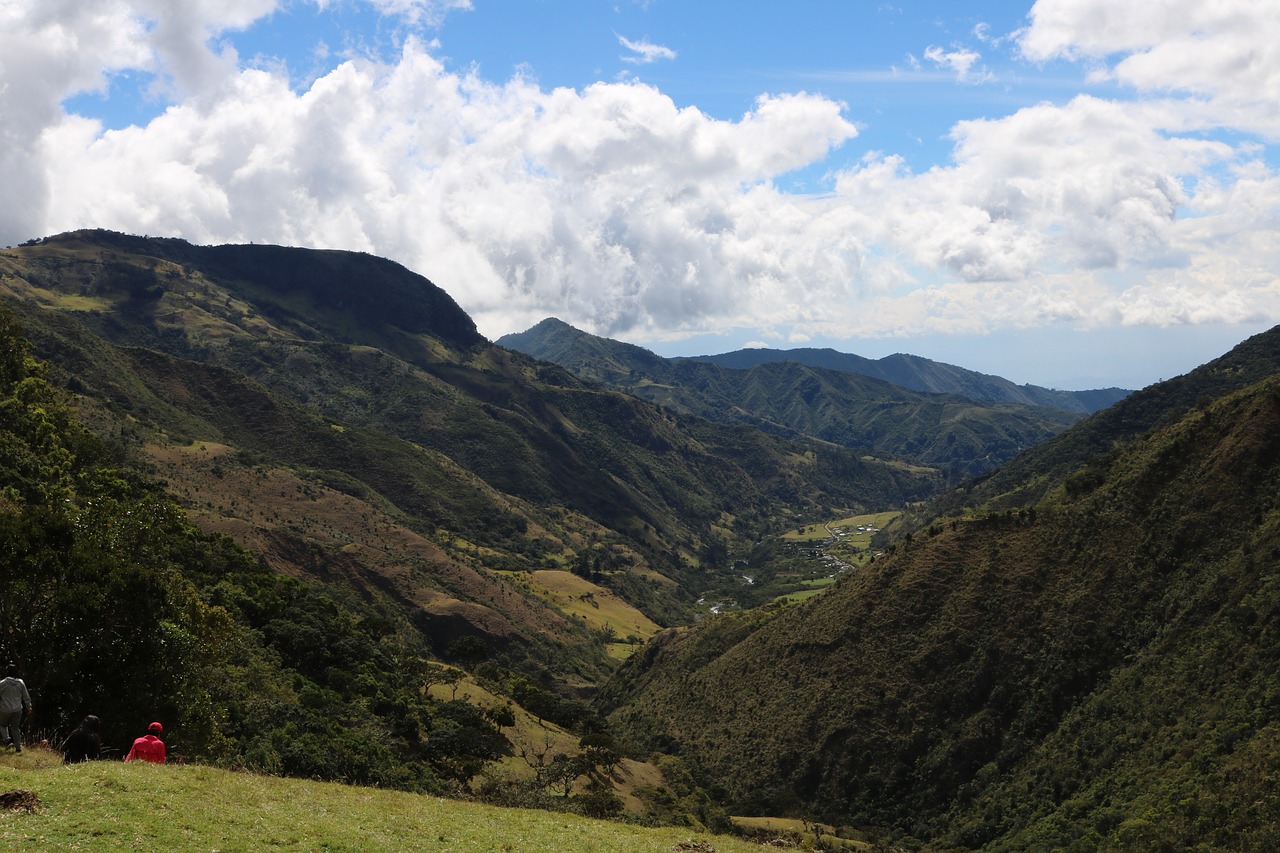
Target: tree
469, 651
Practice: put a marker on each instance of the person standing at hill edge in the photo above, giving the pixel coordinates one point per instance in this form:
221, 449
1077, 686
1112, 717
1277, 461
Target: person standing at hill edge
14, 702
149, 747
84, 743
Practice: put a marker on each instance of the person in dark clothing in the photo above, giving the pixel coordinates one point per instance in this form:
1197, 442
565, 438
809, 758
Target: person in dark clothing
84, 743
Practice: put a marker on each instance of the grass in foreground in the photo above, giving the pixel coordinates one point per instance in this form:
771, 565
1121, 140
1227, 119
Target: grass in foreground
110, 805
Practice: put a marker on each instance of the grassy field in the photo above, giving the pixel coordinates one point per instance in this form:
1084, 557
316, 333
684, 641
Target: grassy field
595, 605
110, 805
847, 539
777, 826
811, 588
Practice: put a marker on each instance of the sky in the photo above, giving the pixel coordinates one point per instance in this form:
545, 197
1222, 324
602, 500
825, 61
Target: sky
1069, 193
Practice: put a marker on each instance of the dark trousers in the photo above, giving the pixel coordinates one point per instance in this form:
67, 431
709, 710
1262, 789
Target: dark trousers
10, 730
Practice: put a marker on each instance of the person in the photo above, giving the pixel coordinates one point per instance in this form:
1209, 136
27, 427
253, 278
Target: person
14, 702
149, 747
84, 742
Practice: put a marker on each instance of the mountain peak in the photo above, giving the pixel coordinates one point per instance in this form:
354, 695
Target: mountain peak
355, 291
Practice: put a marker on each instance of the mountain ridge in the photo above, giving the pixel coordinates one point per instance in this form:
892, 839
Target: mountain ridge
865, 413
913, 372
923, 374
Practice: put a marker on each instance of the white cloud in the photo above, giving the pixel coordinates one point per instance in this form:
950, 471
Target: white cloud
426, 12
1227, 51
610, 200
620, 212
1072, 213
644, 51
960, 60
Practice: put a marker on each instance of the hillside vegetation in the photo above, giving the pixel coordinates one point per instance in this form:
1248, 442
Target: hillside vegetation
963, 435
282, 500
341, 417
1096, 669
116, 605
1084, 451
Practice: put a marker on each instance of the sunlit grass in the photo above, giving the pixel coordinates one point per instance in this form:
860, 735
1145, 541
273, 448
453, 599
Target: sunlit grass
596, 605
110, 805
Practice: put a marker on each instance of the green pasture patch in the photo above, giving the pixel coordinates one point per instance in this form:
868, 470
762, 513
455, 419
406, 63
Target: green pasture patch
812, 587
77, 302
817, 584
620, 651
808, 533
599, 607
797, 597
110, 805
874, 519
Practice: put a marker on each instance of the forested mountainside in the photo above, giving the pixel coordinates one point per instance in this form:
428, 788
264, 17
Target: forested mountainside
115, 604
963, 435
923, 374
1092, 670
340, 416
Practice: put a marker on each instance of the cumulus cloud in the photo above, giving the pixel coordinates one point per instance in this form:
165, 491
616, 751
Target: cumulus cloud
644, 51
1227, 51
612, 199
1073, 213
623, 213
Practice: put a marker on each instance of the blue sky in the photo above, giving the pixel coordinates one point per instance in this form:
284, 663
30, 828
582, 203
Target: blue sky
1071, 193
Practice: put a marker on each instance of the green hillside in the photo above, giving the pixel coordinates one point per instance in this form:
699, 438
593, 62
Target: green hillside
963, 435
1083, 452
109, 806
116, 605
293, 505
1094, 671
220, 512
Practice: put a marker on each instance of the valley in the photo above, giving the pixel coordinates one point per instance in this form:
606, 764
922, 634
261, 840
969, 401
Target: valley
605, 582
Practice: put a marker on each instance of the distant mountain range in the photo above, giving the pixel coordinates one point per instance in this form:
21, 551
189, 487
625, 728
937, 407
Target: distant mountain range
922, 374
903, 406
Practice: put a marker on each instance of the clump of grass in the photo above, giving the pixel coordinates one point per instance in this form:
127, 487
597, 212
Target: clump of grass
110, 805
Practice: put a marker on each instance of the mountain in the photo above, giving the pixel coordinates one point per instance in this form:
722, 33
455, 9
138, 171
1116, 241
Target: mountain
1093, 669
341, 417
1077, 456
922, 374
789, 398
116, 605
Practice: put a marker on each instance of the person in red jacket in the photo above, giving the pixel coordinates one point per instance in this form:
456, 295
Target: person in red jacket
149, 747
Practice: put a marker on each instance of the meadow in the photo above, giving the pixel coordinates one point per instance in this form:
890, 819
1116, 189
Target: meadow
110, 805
